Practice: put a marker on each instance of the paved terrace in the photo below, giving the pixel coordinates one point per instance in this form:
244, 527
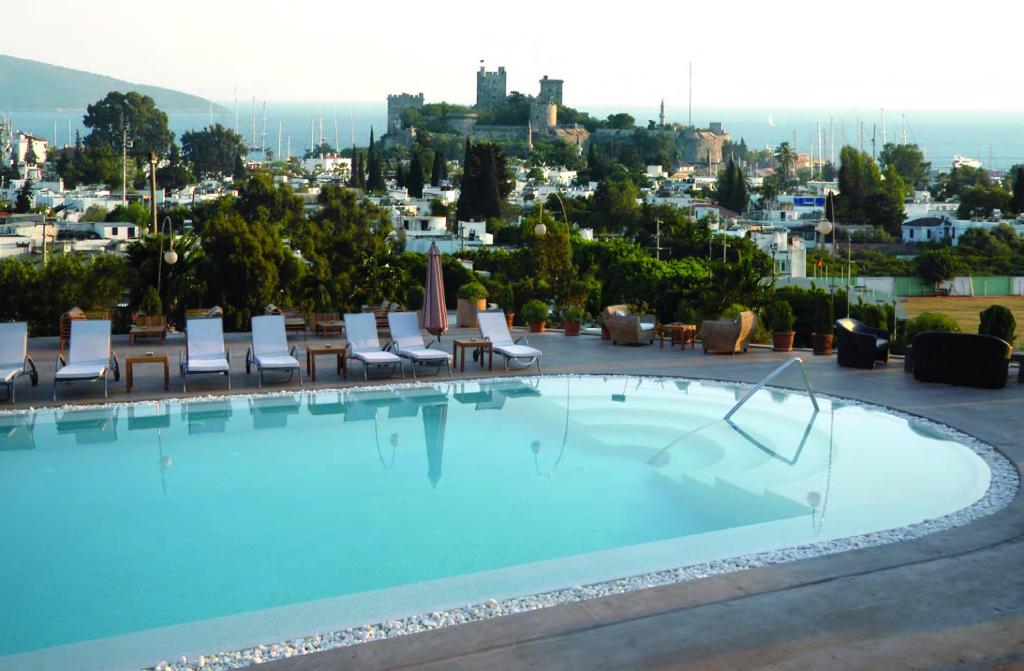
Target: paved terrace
952, 599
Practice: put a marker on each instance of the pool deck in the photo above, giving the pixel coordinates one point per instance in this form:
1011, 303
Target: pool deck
951, 599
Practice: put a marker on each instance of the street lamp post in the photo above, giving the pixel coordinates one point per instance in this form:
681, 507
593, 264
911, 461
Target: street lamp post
170, 257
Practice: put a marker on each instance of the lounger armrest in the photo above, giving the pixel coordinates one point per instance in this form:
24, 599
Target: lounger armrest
522, 339
30, 368
227, 354
182, 362
116, 366
61, 362
248, 361
294, 352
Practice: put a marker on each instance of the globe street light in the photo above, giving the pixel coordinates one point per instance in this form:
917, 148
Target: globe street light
170, 257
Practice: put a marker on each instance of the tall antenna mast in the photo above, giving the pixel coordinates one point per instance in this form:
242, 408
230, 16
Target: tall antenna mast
280, 130
904, 128
832, 140
885, 136
819, 148
263, 142
689, 113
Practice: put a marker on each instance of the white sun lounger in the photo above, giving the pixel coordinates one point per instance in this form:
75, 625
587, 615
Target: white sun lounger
493, 327
269, 349
204, 350
14, 358
407, 341
90, 356
364, 345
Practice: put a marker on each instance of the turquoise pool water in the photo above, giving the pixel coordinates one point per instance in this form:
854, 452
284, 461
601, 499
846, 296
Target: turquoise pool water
129, 528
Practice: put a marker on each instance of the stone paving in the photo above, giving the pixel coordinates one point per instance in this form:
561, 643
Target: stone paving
954, 598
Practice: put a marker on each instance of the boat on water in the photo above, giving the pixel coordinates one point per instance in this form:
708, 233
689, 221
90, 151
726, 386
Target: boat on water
965, 162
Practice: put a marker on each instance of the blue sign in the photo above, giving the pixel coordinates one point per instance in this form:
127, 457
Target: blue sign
809, 201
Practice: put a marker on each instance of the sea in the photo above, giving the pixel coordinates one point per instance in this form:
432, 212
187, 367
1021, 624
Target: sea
996, 138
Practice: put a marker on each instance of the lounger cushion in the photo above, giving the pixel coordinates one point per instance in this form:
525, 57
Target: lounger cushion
376, 357
9, 371
207, 365
83, 370
424, 354
518, 351
277, 361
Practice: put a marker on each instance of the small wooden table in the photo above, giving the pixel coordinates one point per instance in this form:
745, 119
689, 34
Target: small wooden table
132, 361
472, 343
679, 333
313, 350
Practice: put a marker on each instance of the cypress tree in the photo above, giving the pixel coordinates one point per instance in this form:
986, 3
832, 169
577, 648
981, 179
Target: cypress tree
374, 172
400, 175
416, 179
439, 171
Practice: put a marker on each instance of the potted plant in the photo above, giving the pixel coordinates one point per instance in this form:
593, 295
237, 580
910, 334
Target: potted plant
998, 321
822, 328
779, 317
504, 297
472, 299
535, 313
151, 303
572, 316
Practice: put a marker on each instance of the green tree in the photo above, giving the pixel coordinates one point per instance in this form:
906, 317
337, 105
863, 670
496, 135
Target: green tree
374, 171
415, 180
884, 206
175, 175
24, 201
213, 151
138, 114
909, 163
615, 206
1016, 182
439, 171
485, 182
785, 160
935, 266
731, 188
621, 121
858, 179
30, 155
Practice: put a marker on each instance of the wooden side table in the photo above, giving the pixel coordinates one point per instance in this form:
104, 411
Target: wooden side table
132, 361
472, 343
313, 350
679, 333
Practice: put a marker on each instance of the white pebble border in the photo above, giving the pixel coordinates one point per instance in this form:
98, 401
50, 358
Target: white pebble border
1002, 489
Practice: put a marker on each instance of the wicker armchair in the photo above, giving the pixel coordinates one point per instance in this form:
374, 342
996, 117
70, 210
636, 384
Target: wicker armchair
629, 329
728, 336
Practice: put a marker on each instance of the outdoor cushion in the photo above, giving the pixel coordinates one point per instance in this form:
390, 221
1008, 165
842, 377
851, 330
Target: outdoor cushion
424, 354
86, 369
277, 361
209, 365
517, 351
376, 357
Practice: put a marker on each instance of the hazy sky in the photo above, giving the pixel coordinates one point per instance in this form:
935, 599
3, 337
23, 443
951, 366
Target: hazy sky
790, 53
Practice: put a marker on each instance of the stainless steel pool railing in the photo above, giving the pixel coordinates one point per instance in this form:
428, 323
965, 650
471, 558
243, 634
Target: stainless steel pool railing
771, 376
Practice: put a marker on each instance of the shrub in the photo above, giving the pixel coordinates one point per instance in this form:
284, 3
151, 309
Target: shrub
151, 303
573, 313
686, 313
504, 297
472, 291
871, 314
998, 321
733, 311
926, 321
779, 317
534, 312
414, 298
824, 318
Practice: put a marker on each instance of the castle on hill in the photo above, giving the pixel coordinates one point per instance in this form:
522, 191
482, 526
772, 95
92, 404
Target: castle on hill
699, 145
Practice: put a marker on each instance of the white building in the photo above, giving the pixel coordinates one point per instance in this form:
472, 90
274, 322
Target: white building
39, 145
935, 228
788, 255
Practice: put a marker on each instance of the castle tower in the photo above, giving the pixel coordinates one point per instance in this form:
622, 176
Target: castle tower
490, 87
543, 116
550, 91
397, 104
662, 116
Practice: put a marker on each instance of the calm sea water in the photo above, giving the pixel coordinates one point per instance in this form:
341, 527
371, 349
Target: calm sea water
940, 134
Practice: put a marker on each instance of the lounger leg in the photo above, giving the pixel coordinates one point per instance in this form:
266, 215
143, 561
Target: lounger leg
412, 364
228, 376
259, 377
538, 364
55, 390
402, 368
448, 362
105, 386
300, 376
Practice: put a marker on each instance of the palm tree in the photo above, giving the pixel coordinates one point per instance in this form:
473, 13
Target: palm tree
786, 160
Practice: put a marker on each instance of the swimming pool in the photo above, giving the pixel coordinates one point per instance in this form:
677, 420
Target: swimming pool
135, 533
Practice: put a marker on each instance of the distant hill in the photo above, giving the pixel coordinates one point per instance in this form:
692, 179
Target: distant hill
35, 86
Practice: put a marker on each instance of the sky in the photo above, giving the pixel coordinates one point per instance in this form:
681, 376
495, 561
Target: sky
783, 54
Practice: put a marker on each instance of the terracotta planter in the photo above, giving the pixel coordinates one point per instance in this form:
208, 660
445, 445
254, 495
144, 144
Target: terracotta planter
821, 343
572, 328
509, 316
537, 327
782, 341
465, 311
